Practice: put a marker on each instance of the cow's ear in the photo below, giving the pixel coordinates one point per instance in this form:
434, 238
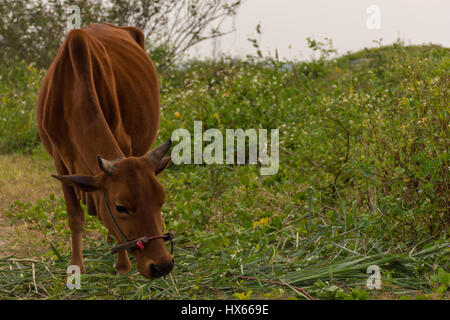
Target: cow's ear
162, 165
85, 183
137, 35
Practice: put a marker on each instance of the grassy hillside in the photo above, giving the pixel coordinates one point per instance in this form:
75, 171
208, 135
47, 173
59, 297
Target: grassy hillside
363, 180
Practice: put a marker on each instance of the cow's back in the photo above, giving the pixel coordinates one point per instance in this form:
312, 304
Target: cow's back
99, 96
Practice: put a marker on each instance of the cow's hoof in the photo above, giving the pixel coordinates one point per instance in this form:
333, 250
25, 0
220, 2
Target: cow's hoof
80, 265
123, 269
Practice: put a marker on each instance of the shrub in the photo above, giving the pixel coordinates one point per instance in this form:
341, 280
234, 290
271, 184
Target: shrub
19, 86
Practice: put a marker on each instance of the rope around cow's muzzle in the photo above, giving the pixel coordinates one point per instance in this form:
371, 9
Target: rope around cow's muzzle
139, 242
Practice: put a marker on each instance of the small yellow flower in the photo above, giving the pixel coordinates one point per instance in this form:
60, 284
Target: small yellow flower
216, 115
177, 114
243, 295
422, 121
31, 68
350, 90
261, 223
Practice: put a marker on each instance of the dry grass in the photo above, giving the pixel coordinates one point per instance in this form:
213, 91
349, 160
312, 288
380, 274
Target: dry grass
24, 178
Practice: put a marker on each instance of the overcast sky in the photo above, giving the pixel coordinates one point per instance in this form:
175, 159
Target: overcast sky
285, 25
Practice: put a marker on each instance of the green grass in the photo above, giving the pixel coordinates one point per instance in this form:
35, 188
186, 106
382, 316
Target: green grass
363, 181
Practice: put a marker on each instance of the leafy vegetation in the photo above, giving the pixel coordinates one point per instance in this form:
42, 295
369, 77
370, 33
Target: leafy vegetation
19, 87
363, 180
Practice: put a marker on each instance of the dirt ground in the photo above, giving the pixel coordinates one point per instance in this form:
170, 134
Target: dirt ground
23, 178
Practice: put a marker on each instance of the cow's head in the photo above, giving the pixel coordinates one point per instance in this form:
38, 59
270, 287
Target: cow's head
135, 198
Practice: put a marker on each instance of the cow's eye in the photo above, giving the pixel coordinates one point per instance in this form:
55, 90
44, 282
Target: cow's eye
122, 209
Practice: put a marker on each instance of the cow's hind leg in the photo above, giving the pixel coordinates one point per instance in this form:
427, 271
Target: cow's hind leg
76, 219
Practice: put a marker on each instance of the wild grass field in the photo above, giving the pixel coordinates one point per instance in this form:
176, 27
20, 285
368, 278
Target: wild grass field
363, 180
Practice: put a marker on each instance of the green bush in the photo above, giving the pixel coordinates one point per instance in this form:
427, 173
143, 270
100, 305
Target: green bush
19, 87
372, 125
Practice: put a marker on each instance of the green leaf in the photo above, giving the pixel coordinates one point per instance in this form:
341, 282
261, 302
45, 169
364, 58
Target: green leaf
443, 276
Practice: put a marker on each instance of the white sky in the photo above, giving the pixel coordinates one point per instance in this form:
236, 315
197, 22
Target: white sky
286, 23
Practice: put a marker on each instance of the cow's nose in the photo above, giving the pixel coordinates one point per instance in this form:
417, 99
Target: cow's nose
162, 269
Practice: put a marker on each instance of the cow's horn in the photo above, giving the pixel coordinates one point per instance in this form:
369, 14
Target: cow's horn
158, 153
106, 165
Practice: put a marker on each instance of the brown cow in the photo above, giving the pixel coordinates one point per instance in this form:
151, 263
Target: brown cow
100, 100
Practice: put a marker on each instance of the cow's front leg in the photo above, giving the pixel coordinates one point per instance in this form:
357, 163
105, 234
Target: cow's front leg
76, 220
76, 224
123, 264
